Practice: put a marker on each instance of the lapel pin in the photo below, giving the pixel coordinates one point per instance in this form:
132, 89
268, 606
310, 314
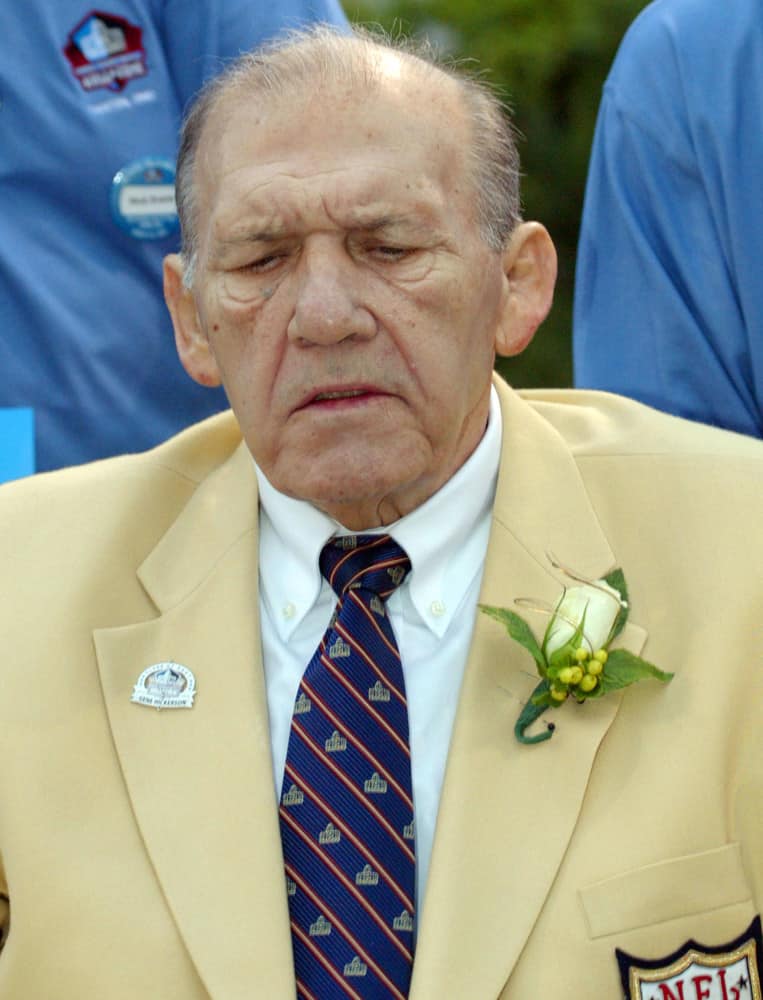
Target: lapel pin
165, 685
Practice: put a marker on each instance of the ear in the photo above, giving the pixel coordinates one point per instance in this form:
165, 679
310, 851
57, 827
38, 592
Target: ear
191, 339
529, 266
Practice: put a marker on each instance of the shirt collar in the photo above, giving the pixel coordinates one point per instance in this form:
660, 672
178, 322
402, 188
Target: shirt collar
445, 538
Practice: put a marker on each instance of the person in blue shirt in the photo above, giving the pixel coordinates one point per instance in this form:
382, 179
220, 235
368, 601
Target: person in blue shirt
90, 107
669, 295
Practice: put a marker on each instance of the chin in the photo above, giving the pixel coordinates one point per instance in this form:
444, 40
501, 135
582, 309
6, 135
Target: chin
349, 473
334, 491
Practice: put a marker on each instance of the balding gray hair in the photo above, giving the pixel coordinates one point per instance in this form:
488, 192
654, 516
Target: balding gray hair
307, 59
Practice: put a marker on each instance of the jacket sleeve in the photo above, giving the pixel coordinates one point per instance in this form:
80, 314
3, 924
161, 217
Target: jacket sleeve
662, 308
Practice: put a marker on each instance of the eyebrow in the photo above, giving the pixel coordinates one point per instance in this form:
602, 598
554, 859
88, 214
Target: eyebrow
410, 222
252, 236
382, 222
368, 225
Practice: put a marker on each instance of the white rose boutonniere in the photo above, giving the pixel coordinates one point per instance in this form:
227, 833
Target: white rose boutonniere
595, 604
574, 658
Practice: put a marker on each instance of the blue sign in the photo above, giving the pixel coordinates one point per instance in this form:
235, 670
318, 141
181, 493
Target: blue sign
16, 442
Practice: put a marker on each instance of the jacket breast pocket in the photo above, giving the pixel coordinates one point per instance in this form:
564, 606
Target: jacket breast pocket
668, 890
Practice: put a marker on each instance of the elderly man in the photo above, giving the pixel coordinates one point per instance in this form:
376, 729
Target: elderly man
353, 259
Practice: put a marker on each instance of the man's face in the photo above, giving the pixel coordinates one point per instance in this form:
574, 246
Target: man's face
346, 298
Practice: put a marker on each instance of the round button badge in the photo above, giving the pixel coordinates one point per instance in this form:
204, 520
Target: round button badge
143, 198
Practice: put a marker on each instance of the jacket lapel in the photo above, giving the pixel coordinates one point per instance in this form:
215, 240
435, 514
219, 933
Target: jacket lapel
201, 779
508, 811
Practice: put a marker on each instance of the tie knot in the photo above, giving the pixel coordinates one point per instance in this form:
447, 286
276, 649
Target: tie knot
374, 562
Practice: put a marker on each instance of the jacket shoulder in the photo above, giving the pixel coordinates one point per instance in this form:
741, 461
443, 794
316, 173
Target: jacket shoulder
189, 456
117, 501
602, 424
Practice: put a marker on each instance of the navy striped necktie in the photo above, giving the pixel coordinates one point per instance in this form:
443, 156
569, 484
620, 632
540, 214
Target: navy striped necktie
346, 804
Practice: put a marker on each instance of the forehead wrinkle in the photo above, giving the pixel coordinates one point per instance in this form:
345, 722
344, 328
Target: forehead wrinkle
246, 181
268, 217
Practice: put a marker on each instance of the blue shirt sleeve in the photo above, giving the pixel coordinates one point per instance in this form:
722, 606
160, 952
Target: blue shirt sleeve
667, 308
201, 37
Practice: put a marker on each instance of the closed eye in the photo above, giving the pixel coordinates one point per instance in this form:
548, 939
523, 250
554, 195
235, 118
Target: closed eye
262, 264
391, 252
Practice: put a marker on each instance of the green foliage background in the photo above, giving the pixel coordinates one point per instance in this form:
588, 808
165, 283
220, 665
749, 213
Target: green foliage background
549, 60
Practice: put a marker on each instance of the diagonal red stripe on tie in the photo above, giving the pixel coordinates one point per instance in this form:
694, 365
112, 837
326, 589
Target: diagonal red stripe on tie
347, 732
296, 929
355, 598
344, 931
369, 708
375, 568
347, 883
347, 782
306, 994
382, 675
352, 553
364, 849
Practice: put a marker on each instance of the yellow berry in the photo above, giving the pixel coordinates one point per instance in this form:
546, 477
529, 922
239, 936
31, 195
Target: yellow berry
558, 694
581, 655
594, 667
566, 674
577, 675
588, 683
601, 655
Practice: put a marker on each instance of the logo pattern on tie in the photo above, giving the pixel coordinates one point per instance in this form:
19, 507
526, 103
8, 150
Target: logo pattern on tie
347, 806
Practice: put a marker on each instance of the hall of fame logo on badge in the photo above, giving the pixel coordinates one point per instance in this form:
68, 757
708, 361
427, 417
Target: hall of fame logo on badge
105, 51
165, 685
697, 972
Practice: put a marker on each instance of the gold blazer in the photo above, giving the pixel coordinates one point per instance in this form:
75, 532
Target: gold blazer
140, 848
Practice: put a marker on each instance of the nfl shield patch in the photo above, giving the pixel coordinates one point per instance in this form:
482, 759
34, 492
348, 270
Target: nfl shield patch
697, 972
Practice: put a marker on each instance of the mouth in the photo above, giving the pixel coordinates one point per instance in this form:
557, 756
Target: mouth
330, 398
339, 394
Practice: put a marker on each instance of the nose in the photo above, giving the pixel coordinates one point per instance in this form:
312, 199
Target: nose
328, 303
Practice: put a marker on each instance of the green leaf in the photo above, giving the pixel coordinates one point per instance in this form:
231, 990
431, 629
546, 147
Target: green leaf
519, 631
623, 669
616, 579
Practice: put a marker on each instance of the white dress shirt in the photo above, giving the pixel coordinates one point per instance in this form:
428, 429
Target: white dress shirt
432, 613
